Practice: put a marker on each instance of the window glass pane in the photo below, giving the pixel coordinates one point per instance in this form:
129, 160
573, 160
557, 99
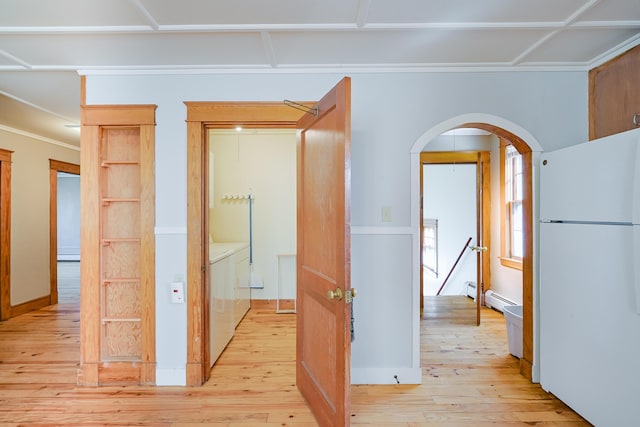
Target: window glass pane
513, 202
517, 246
516, 214
516, 230
430, 248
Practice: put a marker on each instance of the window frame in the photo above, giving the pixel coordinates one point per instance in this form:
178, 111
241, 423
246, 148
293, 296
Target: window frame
506, 222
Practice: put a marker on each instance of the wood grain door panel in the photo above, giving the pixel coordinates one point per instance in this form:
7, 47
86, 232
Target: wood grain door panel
323, 258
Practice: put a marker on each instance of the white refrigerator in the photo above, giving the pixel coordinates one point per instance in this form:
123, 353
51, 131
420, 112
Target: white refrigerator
590, 278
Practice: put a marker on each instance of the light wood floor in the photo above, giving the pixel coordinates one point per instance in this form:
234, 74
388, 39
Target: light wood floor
469, 378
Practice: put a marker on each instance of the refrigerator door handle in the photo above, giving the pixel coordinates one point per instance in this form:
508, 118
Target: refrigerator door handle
635, 203
636, 265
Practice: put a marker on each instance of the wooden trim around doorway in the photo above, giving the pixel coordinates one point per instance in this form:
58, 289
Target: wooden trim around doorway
480, 159
526, 361
202, 116
5, 234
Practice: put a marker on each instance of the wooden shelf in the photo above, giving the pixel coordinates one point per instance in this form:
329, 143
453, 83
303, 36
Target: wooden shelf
132, 280
115, 320
107, 163
118, 304
106, 241
107, 200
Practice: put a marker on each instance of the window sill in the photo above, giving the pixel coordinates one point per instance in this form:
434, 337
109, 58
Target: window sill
511, 263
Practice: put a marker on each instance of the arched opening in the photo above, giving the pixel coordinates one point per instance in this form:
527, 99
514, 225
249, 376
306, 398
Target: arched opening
527, 146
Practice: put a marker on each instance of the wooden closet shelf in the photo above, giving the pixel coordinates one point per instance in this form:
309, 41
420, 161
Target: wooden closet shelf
120, 280
107, 241
116, 320
107, 163
107, 200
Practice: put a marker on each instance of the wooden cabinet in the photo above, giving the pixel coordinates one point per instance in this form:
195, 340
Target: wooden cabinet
614, 95
117, 246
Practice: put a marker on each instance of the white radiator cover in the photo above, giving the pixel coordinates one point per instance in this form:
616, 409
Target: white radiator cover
496, 301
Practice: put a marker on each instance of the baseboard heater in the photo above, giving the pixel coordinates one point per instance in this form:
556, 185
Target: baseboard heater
471, 290
496, 301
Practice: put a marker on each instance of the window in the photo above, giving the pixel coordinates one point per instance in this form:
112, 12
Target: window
511, 192
430, 247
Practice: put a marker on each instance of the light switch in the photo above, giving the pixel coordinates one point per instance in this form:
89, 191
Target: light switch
386, 214
177, 292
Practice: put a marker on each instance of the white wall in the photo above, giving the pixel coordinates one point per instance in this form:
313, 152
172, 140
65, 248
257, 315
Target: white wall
30, 212
390, 113
449, 194
68, 217
263, 162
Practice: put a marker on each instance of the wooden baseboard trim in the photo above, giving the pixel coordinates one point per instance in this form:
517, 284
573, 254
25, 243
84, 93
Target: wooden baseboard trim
26, 307
88, 375
195, 378
148, 373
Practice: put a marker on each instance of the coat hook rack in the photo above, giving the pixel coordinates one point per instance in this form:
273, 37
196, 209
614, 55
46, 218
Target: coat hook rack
302, 107
238, 196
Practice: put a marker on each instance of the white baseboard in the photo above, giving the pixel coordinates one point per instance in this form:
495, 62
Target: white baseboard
386, 375
171, 376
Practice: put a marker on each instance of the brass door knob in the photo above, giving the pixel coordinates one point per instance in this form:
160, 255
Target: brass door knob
337, 294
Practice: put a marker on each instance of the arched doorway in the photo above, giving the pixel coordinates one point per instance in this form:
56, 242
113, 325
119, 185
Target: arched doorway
527, 146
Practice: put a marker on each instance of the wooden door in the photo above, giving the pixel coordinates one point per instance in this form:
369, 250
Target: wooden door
483, 210
614, 95
323, 350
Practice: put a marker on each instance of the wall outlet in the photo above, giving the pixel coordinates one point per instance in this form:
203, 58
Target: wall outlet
177, 292
386, 214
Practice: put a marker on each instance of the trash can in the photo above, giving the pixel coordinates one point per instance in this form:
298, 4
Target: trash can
513, 316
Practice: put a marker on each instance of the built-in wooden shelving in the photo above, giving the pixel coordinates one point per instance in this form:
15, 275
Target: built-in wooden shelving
118, 263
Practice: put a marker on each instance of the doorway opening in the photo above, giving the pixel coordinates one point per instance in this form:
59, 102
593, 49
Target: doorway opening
455, 226
252, 225
510, 132
322, 235
202, 117
64, 224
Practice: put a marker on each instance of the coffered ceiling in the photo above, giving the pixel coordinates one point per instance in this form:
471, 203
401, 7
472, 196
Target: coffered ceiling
44, 44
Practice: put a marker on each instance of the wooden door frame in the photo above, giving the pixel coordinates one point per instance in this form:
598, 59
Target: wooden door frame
202, 116
526, 361
482, 161
5, 234
55, 166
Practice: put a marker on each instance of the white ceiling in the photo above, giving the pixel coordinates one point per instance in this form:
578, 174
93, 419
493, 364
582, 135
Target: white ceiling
44, 44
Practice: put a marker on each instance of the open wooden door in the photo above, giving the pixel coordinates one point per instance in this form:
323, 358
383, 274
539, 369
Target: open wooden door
483, 171
323, 350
